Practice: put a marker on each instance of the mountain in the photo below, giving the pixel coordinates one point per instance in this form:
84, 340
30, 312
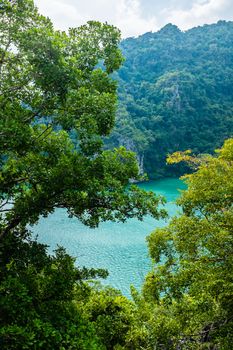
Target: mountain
175, 93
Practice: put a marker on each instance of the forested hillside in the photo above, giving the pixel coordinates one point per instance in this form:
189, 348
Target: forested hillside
176, 92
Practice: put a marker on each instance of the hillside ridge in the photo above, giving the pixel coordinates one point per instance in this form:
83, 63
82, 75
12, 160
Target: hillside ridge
175, 93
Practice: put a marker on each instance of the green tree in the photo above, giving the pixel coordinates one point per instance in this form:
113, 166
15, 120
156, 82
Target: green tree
190, 288
37, 293
56, 105
57, 101
112, 315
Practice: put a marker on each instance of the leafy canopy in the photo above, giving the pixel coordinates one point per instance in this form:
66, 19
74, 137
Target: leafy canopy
56, 104
190, 288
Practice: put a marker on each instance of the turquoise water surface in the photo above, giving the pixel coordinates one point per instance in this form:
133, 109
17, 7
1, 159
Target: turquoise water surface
118, 247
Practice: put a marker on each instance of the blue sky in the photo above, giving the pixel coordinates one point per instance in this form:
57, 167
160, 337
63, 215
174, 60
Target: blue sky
135, 17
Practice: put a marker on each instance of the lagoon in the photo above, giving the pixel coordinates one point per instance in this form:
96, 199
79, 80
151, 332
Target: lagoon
118, 247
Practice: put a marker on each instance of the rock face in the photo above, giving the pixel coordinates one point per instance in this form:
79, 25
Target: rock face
130, 146
175, 93
140, 158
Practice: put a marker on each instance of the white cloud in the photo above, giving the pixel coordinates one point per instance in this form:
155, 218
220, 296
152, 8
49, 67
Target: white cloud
135, 17
62, 13
130, 20
201, 12
125, 14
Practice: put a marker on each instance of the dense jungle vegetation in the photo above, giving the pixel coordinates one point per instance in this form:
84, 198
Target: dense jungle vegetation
176, 93
56, 105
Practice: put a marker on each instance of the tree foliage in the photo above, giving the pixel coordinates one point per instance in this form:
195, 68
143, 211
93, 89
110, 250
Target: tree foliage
190, 288
56, 105
57, 102
37, 298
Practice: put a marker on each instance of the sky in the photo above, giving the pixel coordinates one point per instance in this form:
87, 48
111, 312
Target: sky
135, 17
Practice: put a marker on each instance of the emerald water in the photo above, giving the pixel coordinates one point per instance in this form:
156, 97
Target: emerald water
118, 247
